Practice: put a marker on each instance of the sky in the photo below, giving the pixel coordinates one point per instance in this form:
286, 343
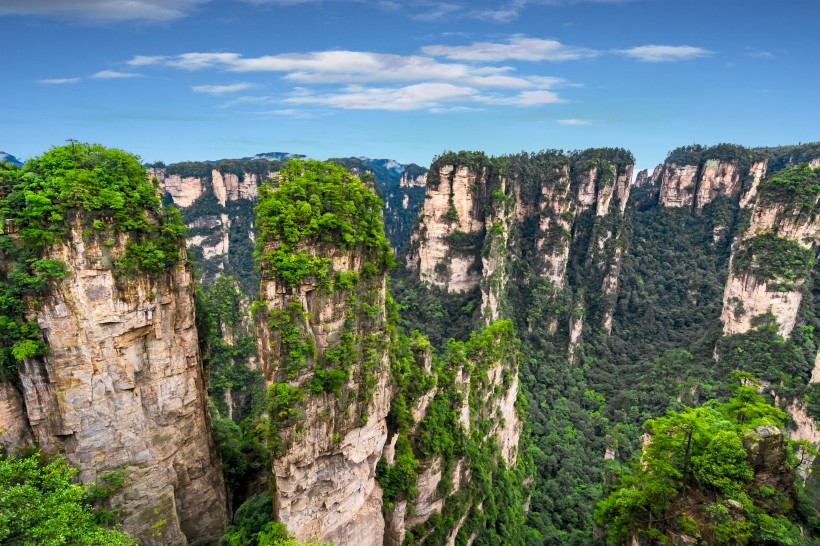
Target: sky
176, 80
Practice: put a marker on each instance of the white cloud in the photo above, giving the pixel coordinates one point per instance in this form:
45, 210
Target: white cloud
222, 89
114, 75
527, 98
58, 81
102, 10
516, 48
347, 67
664, 53
411, 97
575, 121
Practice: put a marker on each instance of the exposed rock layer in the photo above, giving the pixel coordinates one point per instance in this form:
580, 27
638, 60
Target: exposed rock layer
123, 389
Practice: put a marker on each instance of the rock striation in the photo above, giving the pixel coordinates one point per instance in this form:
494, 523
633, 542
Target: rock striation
470, 224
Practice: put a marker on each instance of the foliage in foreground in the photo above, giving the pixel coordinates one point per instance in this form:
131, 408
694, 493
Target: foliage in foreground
694, 478
39, 504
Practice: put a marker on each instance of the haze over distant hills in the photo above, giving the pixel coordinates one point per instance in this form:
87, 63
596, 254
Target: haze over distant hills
4, 156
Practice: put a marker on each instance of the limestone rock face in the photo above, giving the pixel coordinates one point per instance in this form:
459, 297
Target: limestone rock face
184, 191
678, 186
717, 178
123, 388
15, 432
696, 186
496, 402
755, 298
756, 174
555, 224
746, 296
452, 206
325, 486
409, 181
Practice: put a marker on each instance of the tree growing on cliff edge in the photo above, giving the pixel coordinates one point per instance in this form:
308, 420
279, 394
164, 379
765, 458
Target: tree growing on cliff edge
695, 478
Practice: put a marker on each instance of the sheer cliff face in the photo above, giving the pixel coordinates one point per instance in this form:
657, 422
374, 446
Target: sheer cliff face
123, 389
764, 277
216, 201
470, 226
325, 473
322, 345
454, 206
483, 393
696, 185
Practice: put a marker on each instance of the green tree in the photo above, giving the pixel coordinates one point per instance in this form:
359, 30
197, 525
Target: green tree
40, 505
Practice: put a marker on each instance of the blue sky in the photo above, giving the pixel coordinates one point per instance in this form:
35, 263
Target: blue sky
176, 80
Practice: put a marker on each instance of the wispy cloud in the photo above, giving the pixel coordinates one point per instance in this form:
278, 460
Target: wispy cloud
516, 48
575, 121
349, 67
222, 89
441, 78
114, 75
664, 53
58, 81
411, 97
102, 10
761, 54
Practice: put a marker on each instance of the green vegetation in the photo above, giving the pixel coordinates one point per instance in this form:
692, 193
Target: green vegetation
440, 435
781, 157
797, 186
105, 193
778, 261
696, 154
319, 204
227, 345
41, 504
694, 477
253, 526
660, 354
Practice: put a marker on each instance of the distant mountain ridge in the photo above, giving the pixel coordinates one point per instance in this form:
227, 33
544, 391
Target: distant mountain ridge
5, 156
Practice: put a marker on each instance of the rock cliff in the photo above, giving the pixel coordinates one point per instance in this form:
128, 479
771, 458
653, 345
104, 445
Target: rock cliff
359, 415
216, 199
119, 386
322, 346
775, 253
477, 210
467, 424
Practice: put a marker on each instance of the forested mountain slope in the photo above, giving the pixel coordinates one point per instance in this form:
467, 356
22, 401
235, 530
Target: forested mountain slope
627, 305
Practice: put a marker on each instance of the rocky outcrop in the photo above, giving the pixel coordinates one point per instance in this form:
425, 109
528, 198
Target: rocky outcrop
451, 208
122, 389
784, 217
183, 190
756, 174
15, 431
678, 185
410, 180
488, 391
323, 349
694, 176
555, 225
324, 475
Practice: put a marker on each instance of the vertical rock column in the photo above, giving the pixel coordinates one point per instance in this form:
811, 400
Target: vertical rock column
123, 390
322, 345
